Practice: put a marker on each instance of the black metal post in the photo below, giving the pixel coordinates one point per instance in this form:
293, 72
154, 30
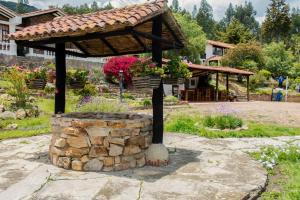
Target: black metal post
121, 77
60, 93
217, 87
227, 85
248, 89
158, 94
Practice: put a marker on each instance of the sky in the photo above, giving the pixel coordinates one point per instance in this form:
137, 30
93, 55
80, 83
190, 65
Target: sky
219, 6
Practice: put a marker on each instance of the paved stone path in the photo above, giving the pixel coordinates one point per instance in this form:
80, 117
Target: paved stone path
200, 169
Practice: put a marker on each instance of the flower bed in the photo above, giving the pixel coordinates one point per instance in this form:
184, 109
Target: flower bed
100, 141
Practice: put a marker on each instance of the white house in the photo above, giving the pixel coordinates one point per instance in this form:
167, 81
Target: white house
215, 50
11, 21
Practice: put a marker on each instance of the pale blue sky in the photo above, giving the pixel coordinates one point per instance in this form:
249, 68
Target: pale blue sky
219, 6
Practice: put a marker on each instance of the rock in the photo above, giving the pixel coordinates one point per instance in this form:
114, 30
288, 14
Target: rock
84, 159
78, 142
118, 141
108, 169
31, 99
29, 113
12, 127
131, 149
109, 161
21, 114
77, 165
94, 165
97, 151
94, 131
117, 159
2, 108
116, 124
141, 162
115, 150
60, 143
7, 115
120, 132
64, 162
78, 153
36, 111
57, 151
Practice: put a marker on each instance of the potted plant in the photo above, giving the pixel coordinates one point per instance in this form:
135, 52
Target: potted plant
36, 79
77, 79
176, 72
145, 74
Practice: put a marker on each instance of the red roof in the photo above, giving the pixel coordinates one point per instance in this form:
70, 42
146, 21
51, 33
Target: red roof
214, 58
220, 44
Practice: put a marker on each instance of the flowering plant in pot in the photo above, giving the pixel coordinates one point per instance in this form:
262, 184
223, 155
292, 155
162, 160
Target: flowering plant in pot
145, 74
76, 79
176, 72
36, 79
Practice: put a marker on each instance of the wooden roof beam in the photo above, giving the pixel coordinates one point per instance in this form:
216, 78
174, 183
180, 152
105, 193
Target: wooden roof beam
80, 47
113, 50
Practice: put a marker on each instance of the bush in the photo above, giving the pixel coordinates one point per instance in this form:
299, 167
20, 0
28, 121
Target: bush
260, 79
49, 89
171, 100
88, 90
183, 123
223, 122
100, 104
128, 96
147, 102
19, 89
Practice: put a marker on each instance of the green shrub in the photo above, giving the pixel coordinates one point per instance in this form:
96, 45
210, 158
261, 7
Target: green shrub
183, 123
128, 96
49, 89
223, 122
171, 100
100, 104
146, 102
19, 89
88, 90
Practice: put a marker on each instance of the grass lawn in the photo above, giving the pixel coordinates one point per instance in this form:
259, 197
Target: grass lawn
284, 177
193, 124
36, 126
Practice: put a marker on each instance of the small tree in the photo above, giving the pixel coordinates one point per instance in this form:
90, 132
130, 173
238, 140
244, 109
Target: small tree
19, 89
279, 61
248, 55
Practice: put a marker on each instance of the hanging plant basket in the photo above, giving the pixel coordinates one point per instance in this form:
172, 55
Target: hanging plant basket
36, 84
174, 81
76, 84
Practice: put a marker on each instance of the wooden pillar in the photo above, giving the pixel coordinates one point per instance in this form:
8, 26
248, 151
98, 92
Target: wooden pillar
217, 87
248, 90
60, 93
227, 85
158, 94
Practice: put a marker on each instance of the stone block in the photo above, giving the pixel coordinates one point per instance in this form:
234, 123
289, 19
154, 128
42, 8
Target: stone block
77, 165
120, 132
84, 159
135, 132
115, 150
75, 152
88, 123
60, 143
137, 140
108, 169
57, 151
106, 143
135, 124
116, 124
54, 159
95, 131
141, 162
109, 161
117, 160
131, 150
64, 162
78, 142
93, 165
118, 141
71, 131
97, 151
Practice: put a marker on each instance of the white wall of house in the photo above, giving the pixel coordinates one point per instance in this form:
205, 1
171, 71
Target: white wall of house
208, 51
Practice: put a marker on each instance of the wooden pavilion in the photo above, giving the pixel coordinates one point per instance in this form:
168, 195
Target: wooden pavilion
148, 27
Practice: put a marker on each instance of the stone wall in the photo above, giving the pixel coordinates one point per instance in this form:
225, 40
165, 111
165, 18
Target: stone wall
100, 141
32, 62
266, 97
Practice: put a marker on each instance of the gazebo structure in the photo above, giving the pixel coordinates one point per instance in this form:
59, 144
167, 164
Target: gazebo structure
136, 29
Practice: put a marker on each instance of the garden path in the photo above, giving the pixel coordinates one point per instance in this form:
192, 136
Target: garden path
200, 169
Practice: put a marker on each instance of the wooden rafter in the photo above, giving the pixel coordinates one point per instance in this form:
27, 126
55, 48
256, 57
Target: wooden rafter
113, 50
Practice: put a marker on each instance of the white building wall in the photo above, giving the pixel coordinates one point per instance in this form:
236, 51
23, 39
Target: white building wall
208, 51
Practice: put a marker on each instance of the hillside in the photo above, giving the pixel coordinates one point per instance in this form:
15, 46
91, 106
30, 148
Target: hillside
22, 9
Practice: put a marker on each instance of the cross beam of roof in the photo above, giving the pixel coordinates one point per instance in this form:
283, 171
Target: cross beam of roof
83, 50
140, 42
109, 45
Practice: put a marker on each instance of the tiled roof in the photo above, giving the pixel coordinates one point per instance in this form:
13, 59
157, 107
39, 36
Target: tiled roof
220, 44
102, 21
228, 70
214, 58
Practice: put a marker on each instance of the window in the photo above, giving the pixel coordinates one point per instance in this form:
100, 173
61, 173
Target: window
4, 30
217, 51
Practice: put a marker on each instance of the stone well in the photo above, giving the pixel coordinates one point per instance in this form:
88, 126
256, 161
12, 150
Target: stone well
100, 141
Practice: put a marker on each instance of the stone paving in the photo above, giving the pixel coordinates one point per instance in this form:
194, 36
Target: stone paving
200, 169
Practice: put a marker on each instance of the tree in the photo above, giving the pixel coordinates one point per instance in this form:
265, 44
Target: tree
277, 24
195, 12
175, 5
236, 33
248, 55
205, 19
229, 14
295, 46
196, 38
85, 8
279, 61
20, 6
94, 6
246, 15
295, 17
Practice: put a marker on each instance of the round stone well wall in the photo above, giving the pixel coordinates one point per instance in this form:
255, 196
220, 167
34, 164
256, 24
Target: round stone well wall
100, 141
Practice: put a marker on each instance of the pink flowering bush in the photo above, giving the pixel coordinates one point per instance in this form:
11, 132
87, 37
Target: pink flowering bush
112, 68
